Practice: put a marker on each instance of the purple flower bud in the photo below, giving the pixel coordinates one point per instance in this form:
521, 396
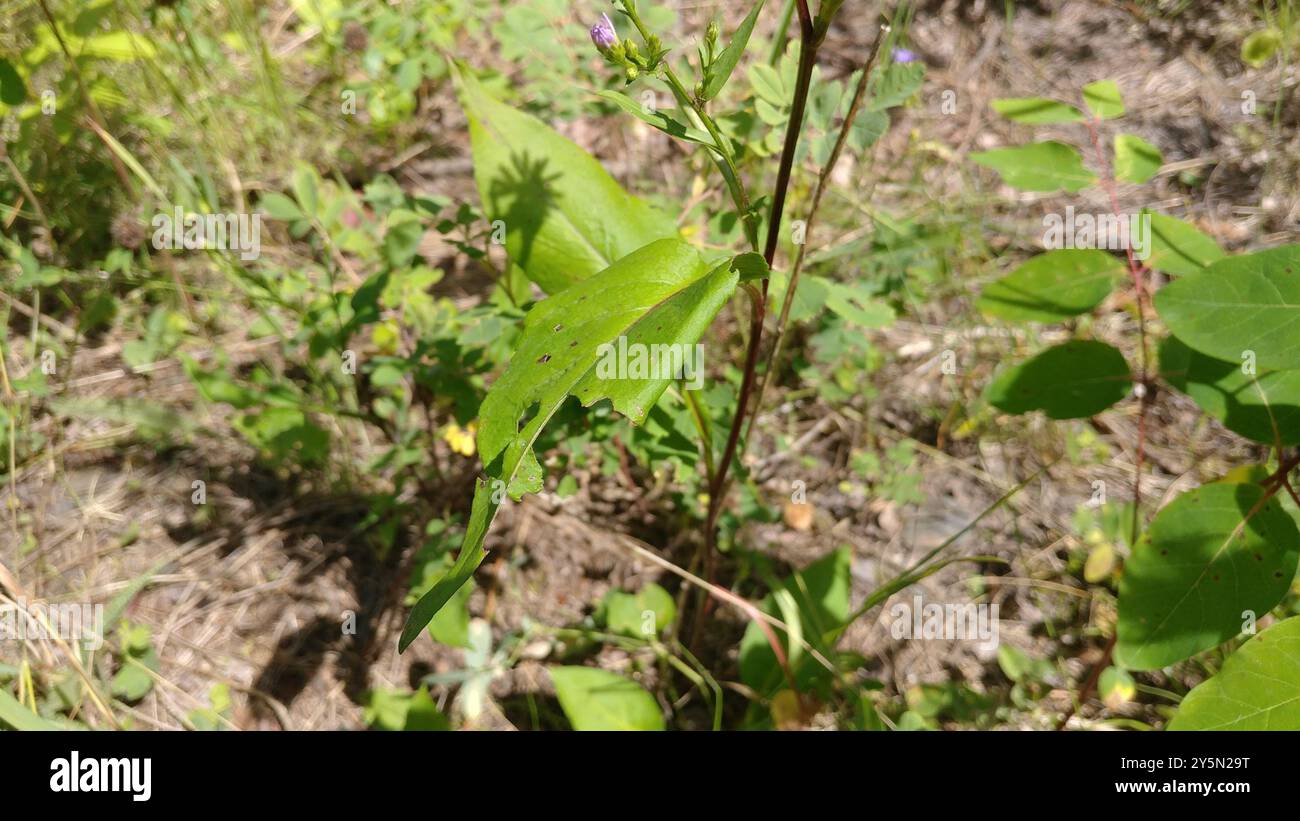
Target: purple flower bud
603, 33
902, 55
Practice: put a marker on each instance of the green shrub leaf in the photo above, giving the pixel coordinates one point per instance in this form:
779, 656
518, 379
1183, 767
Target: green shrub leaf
1136, 160
1257, 689
1046, 166
1036, 110
892, 85
818, 600
1259, 405
12, 88
1054, 286
1260, 46
1073, 380
1179, 248
1103, 99
1242, 303
1209, 555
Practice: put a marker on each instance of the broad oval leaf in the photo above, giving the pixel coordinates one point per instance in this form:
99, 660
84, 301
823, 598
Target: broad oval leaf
1240, 304
565, 216
1177, 247
1073, 380
1046, 166
1054, 286
1209, 555
1257, 689
1260, 405
595, 699
1036, 110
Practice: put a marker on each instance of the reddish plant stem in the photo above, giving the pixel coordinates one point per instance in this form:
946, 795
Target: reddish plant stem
809, 41
1139, 292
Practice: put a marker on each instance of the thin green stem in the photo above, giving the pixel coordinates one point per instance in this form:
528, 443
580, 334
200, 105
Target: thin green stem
724, 157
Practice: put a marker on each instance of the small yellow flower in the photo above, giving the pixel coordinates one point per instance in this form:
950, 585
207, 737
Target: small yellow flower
461, 439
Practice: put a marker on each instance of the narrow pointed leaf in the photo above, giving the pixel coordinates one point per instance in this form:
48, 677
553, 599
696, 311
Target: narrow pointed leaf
662, 294
720, 70
657, 119
660, 298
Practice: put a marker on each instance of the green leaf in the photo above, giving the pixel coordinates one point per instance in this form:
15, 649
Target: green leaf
894, 84
1260, 405
1046, 166
660, 295
119, 46
1257, 689
1053, 287
1116, 687
1208, 556
565, 216
306, 187
719, 71
595, 699
1179, 248
751, 266
658, 119
1238, 304
1260, 46
768, 85
278, 206
472, 554
1103, 99
1037, 110
450, 625
1136, 160
13, 713
1073, 380
12, 88
817, 599
852, 301
643, 614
